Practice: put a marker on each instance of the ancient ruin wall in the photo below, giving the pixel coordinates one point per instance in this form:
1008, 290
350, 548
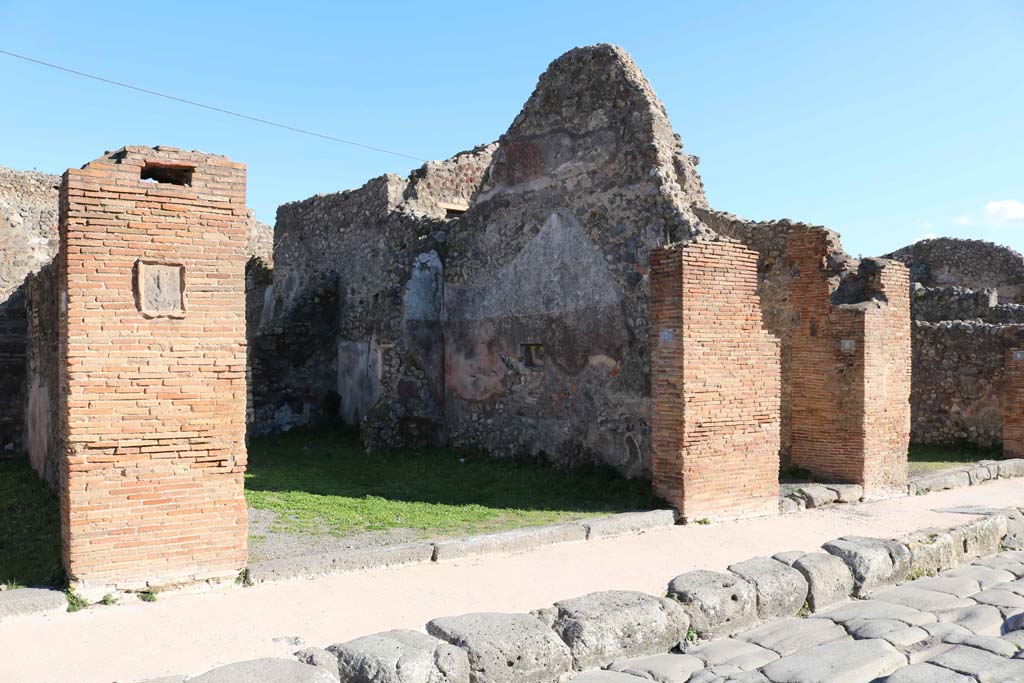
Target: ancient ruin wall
972, 264
152, 348
43, 430
1013, 401
715, 383
546, 283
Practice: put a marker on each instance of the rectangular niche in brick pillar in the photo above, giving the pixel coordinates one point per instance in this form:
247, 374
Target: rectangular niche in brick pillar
1013, 403
715, 383
152, 394
850, 369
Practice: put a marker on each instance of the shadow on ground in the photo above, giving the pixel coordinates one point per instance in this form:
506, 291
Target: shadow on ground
29, 528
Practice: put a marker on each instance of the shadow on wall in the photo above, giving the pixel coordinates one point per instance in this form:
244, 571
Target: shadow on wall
12, 373
334, 463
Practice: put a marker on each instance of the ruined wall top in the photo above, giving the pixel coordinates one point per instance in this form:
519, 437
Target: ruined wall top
28, 225
973, 264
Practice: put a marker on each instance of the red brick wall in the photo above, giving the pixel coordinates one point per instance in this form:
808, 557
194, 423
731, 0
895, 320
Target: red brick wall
1013, 404
850, 406
152, 408
715, 383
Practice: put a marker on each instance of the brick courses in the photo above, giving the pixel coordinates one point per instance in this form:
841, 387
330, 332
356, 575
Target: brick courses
715, 383
850, 371
1013, 403
152, 408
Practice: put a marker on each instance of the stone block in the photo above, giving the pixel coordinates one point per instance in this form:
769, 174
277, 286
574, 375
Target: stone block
267, 670
602, 627
606, 677
960, 587
1014, 538
667, 668
24, 601
846, 661
983, 620
781, 590
1000, 562
896, 633
932, 551
788, 505
310, 566
987, 577
786, 636
506, 648
847, 493
981, 664
816, 495
718, 604
829, 579
980, 537
400, 657
628, 523
321, 658
927, 673
919, 598
875, 562
876, 609
788, 557
736, 653
516, 540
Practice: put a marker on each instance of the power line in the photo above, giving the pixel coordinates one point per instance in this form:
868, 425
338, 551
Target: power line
208, 106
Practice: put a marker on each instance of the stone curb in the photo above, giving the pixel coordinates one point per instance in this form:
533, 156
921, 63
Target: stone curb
29, 601
971, 475
578, 634
516, 540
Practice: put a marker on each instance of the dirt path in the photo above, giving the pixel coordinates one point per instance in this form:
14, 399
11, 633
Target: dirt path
191, 633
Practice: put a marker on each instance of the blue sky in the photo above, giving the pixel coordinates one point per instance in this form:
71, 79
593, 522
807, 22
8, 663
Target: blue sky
886, 121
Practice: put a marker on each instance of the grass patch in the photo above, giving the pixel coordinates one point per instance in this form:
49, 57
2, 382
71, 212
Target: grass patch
324, 482
925, 458
29, 528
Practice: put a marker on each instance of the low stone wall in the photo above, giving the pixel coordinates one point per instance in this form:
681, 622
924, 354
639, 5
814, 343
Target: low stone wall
973, 264
629, 634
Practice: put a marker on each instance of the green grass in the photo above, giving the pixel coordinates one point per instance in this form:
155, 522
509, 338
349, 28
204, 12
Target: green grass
29, 528
325, 483
926, 458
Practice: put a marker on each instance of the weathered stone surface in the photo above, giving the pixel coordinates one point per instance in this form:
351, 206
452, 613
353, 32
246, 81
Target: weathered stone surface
829, 579
666, 668
781, 590
984, 620
984, 666
894, 632
786, 636
717, 604
985, 576
309, 566
927, 673
23, 601
874, 562
320, 658
816, 495
506, 648
999, 562
628, 523
602, 627
932, 550
268, 670
731, 652
508, 541
961, 587
606, 677
849, 661
999, 598
997, 646
847, 493
980, 537
400, 657
876, 609
919, 598
788, 557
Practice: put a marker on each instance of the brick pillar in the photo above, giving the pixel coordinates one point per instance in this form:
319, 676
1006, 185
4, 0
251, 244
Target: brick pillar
850, 381
715, 383
1013, 403
152, 382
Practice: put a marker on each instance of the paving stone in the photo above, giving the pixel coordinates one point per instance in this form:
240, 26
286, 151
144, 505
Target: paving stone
984, 666
320, 658
23, 601
925, 650
671, 668
602, 627
985, 620
789, 557
894, 632
999, 562
400, 656
847, 493
829, 579
512, 648
960, 587
985, 576
781, 590
996, 646
875, 563
729, 651
718, 604
919, 598
267, 670
1015, 637
1014, 623
606, 677
816, 495
999, 598
848, 661
628, 523
786, 636
747, 677
927, 673
876, 609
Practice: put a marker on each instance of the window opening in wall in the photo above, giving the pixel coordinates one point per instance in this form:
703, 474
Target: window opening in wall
171, 175
452, 210
533, 355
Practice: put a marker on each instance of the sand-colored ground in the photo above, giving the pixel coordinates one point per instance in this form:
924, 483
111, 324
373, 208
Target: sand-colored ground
191, 633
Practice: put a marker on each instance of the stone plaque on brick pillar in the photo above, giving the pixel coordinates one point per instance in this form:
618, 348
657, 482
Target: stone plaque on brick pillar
152, 348
715, 383
1013, 403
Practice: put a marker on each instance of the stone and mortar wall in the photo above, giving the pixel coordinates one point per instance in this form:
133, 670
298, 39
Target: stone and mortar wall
971, 264
715, 383
152, 369
43, 434
851, 366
